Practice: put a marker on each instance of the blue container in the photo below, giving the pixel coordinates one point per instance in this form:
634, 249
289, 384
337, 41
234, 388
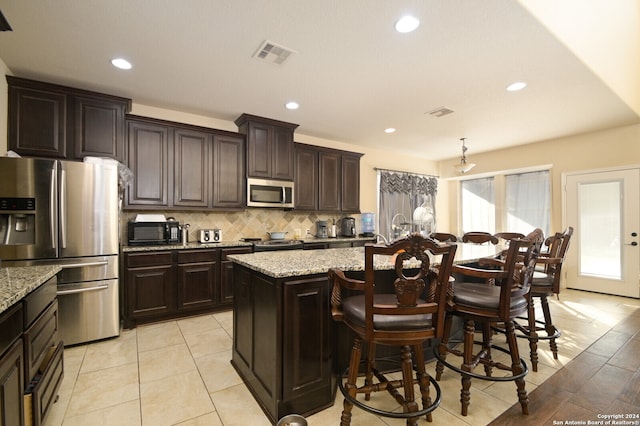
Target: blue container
368, 224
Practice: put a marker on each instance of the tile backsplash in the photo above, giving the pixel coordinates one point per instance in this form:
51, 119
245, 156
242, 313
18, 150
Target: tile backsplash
250, 223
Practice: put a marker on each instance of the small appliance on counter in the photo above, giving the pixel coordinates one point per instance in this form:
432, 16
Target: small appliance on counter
322, 229
151, 231
209, 236
348, 227
185, 233
368, 226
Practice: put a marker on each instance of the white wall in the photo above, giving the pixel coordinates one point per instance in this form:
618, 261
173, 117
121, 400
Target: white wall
609, 148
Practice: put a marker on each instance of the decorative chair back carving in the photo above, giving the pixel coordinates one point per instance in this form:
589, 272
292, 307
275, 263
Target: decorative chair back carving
479, 238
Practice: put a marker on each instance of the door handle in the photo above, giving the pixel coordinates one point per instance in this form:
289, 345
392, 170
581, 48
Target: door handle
82, 290
81, 265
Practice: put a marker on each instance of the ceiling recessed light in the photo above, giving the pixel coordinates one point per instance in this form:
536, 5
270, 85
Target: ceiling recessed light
514, 87
389, 130
292, 105
406, 24
121, 63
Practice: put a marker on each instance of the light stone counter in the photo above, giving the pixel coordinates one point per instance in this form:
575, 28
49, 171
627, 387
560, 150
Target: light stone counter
189, 246
17, 282
292, 263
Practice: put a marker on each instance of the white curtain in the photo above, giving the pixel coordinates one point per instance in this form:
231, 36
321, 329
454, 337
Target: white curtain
528, 202
478, 205
407, 204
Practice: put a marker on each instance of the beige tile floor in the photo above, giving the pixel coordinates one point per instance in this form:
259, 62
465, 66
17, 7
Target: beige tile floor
178, 373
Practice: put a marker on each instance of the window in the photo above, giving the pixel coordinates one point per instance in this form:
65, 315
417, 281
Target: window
406, 204
528, 202
478, 205
517, 202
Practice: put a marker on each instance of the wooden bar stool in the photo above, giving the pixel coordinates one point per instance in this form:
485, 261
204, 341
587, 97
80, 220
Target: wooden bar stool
545, 283
502, 297
406, 319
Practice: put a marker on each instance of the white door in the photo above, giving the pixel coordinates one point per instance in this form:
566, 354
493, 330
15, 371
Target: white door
604, 253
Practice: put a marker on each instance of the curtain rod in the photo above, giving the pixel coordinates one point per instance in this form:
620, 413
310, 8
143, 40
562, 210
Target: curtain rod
380, 169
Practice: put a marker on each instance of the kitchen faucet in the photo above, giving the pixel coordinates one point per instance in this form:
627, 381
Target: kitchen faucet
384, 239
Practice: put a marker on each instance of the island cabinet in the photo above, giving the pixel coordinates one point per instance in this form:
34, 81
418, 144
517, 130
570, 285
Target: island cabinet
269, 146
326, 179
180, 167
49, 120
281, 344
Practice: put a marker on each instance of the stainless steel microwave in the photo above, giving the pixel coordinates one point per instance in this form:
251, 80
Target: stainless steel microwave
269, 193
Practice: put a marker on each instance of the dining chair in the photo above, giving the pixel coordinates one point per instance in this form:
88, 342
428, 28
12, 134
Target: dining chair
508, 236
443, 237
406, 318
502, 297
479, 238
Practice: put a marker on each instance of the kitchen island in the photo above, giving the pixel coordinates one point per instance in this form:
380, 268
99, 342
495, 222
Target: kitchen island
286, 348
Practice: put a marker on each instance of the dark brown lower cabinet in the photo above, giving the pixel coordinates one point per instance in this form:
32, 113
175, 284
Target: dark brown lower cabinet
226, 273
281, 341
31, 367
165, 284
148, 289
12, 385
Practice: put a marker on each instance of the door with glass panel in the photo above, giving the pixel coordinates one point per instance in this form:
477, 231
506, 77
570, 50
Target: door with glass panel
604, 209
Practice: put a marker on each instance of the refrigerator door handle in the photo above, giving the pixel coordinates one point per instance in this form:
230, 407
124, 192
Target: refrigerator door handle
82, 290
63, 209
53, 205
81, 265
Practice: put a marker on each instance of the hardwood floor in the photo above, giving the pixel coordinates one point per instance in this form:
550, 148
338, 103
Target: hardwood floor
603, 380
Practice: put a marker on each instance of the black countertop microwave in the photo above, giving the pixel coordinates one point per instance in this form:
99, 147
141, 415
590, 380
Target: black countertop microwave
153, 233
269, 193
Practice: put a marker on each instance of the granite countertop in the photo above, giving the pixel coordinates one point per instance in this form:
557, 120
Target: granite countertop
189, 246
226, 244
17, 282
292, 263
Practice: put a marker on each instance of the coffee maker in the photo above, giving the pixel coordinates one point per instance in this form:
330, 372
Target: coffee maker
322, 229
348, 227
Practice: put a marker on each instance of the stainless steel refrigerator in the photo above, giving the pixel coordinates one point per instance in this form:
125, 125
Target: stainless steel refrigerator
66, 213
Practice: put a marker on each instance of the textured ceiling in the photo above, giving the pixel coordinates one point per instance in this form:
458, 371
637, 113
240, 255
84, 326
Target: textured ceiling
353, 75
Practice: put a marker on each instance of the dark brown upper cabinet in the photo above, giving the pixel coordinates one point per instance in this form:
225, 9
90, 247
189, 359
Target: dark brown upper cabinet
306, 177
49, 120
269, 146
148, 158
326, 179
204, 167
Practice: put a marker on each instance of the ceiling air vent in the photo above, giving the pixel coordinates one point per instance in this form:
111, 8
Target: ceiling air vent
439, 112
273, 53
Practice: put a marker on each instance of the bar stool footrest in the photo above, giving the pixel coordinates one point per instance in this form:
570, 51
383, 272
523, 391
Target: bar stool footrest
522, 330
404, 415
525, 369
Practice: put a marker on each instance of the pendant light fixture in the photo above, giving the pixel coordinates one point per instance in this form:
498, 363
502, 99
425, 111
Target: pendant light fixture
463, 166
